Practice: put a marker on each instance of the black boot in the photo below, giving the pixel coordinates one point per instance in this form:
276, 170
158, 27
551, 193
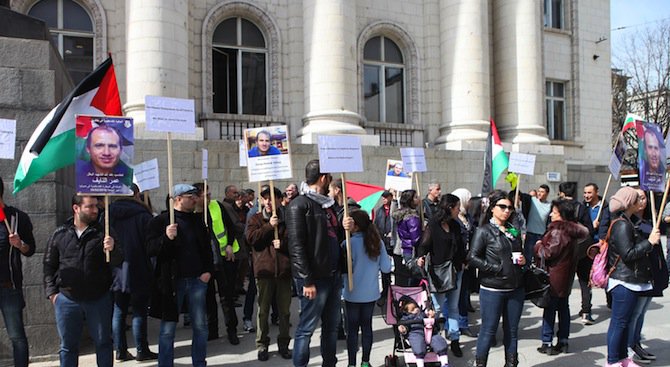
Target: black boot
480, 361
512, 360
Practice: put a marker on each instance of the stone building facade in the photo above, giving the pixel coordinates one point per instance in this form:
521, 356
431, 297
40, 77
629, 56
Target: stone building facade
396, 72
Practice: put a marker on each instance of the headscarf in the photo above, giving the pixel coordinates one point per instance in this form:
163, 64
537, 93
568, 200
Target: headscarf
464, 195
623, 199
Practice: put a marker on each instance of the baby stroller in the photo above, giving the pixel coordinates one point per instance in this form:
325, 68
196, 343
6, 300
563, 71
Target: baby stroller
392, 314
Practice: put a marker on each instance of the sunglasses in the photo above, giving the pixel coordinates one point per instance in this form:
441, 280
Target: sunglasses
505, 207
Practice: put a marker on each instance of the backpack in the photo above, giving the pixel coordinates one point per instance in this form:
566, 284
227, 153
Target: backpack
600, 270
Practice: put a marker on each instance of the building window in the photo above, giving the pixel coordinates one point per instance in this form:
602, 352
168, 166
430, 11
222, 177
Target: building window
71, 33
553, 14
556, 116
383, 81
239, 68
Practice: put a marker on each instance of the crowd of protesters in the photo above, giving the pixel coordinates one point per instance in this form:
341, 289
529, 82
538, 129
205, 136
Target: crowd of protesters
174, 266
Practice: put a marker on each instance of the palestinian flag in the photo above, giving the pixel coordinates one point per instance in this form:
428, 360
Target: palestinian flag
365, 195
496, 161
51, 146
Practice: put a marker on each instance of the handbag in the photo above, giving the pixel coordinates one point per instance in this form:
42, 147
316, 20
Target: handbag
441, 277
536, 284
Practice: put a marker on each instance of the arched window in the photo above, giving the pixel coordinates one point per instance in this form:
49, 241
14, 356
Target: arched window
383, 81
71, 33
239, 68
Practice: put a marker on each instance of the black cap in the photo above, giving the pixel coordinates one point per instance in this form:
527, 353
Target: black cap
386, 193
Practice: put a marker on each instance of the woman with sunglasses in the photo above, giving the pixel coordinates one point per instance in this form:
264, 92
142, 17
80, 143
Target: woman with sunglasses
497, 252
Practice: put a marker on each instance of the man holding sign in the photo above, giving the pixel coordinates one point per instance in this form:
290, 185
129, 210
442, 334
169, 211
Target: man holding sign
315, 253
77, 280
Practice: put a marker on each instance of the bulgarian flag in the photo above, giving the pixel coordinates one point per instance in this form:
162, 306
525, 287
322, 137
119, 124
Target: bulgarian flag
365, 195
51, 146
496, 161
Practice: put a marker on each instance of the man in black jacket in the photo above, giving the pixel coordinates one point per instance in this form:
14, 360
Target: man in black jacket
77, 280
14, 243
314, 248
183, 269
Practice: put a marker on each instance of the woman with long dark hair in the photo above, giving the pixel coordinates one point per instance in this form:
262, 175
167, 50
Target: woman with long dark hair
627, 255
369, 257
442, 240
497, 252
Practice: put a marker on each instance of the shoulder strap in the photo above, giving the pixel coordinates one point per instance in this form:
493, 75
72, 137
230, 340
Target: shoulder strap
609, 230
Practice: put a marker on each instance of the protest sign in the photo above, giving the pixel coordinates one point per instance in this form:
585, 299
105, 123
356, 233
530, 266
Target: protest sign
7, 138
521, 163
205, 163
176, 115
414, 159
104, 155
146, 175
651, 158
267, 153
396, 176
340, 153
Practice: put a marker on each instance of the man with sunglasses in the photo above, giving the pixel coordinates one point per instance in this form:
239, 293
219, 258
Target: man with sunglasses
183, 269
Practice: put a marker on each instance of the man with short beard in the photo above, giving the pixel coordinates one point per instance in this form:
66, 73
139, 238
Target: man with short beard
315, 252
77, 280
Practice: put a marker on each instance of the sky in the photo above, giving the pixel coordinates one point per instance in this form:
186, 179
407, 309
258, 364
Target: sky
634, 16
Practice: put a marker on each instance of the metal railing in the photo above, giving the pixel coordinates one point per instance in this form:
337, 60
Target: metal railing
231, 127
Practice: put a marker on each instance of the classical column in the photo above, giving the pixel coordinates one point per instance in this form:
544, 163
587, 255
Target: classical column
464, 46
329, 36
157, 52
519, 93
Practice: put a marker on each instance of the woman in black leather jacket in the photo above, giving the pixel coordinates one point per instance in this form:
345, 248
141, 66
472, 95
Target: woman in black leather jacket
627, 253
492, 249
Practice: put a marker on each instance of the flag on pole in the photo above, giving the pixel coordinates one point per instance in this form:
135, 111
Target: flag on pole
495, 161
51, 145
365, 195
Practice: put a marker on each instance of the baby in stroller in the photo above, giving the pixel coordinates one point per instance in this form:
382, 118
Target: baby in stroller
417, 325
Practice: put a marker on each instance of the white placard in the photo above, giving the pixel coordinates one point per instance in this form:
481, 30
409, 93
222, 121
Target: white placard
267, 153
396, 177
521, 163
340, 153
205, 163
414, 159
146, 175
243, 153
176, 115
7, 138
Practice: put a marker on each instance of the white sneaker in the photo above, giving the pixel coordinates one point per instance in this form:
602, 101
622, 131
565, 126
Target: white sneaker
248, 326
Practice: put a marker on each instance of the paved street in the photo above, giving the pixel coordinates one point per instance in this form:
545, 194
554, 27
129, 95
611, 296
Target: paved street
587, 343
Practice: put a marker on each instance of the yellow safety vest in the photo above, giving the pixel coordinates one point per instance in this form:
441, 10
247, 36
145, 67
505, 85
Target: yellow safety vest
219, 228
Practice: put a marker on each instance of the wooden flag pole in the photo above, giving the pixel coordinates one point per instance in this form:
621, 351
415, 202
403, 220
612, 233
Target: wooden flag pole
205, 203
107, 224
146, 198
169, 158
9, 229
516, 191
272, 202
652, 200
347, 234
657, 223
607, 187
258, 197
418, 193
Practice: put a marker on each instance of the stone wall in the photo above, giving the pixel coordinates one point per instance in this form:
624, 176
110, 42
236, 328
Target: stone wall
33, 80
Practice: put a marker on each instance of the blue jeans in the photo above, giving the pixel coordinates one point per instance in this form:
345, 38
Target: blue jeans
494, 304
448, 302
359, 315
250, 297
529, 245
11, 305
325, 307
637, 320
139, 304
70, 317
623, 305
556, 305
195, 291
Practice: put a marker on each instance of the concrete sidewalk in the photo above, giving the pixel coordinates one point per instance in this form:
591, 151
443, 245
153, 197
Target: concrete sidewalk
587, 343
